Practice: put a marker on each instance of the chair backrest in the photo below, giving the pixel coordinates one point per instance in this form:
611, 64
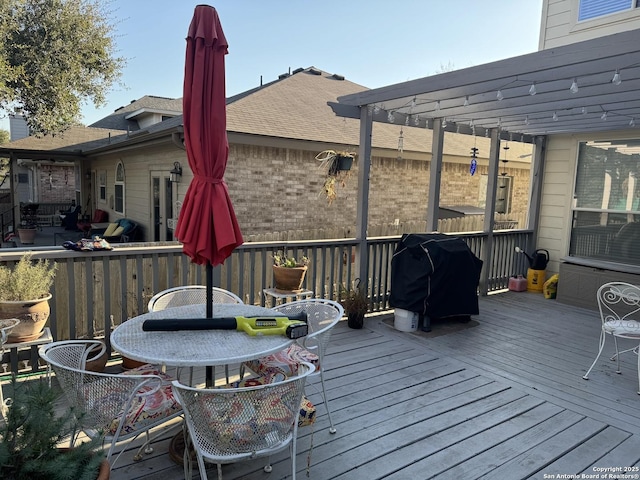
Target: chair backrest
322, 316
100, 398
189, 295
228, 424
619, 301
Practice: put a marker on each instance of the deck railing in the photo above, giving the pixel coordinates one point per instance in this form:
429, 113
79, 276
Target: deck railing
96, 291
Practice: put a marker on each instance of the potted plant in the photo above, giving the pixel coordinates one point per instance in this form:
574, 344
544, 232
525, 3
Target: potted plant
31, 433
337, 166
27, 233
289, 273
355, 303
24, 294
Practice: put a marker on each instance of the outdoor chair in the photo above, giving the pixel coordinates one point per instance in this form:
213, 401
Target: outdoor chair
322, 317
227, 425
69, 220
189, 295
118, 406
619, 305
99, 216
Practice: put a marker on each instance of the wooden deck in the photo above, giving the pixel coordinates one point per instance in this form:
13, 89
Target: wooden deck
504, 399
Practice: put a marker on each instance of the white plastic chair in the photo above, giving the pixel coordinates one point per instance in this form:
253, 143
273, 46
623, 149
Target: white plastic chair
189, 295
322, 317
619, 305
227, 425
100, 399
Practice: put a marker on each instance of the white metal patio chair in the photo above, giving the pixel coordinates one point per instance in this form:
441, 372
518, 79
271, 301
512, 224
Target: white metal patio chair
322, 317
118, 406
227, 425
189, 295
619, 305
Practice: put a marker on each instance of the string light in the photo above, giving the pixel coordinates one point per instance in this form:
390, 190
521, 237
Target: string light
632, 123
574, 86
616, 80
416, 120
406, 120
376, 109
391, 117
526, 119
413, 102
499, 95
532, 89
555, 116
466, 101
444, 123
437, 107
603, 116
584, 110
400, 142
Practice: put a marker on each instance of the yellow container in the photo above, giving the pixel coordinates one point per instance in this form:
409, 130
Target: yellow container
535, 280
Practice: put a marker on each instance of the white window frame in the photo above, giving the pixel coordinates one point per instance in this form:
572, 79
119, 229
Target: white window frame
102, 186
119, 183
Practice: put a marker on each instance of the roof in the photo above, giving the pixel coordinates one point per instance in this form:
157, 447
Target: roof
76, 139
123, 118
599, 104
295, 107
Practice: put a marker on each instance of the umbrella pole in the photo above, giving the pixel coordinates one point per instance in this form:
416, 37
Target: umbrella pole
210, 380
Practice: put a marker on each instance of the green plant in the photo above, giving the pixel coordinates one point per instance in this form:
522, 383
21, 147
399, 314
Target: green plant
30, 436
27, 280
354, 299
281, 260
329, 162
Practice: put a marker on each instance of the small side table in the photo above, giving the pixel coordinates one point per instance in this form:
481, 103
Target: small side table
12, 350
279, 297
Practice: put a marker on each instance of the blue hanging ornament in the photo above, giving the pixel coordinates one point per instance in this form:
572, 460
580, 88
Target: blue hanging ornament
474, 161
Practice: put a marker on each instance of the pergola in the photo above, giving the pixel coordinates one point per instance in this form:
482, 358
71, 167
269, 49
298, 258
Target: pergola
589, 86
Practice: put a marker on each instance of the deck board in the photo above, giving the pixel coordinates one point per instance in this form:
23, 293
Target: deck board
504, 399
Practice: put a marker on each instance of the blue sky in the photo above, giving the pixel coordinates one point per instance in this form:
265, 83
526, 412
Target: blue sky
371, 42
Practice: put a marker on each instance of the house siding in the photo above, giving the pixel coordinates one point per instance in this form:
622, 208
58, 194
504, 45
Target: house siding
558, 187
560, 27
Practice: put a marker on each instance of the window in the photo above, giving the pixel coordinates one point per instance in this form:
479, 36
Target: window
503, 194
119, 189
606, 205
597, 8
102, 186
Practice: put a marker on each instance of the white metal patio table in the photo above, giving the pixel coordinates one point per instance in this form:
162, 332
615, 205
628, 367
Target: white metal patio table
196, 348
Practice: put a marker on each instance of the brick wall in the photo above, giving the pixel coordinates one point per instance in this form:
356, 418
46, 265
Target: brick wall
280, 189
56, 184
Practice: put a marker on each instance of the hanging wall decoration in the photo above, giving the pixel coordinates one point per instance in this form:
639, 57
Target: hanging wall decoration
474, 161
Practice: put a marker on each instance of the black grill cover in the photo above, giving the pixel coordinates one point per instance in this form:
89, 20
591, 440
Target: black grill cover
435, 275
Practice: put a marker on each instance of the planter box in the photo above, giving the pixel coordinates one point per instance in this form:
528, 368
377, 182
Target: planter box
289, 279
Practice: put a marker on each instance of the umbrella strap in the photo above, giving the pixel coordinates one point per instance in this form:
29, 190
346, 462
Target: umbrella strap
209, 179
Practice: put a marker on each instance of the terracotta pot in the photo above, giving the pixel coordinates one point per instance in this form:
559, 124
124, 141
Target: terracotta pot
27, 235
289, 279
33, 315
129, 363
97, 359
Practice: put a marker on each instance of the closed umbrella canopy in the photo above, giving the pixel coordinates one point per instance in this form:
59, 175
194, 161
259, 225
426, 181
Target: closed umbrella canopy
207, 225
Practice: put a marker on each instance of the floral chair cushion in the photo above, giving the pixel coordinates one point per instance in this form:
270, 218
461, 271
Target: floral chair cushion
145, 410
285, 361
240, 424
307, 408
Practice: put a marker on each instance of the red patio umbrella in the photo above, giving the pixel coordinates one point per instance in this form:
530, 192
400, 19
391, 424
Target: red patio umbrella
207, 225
